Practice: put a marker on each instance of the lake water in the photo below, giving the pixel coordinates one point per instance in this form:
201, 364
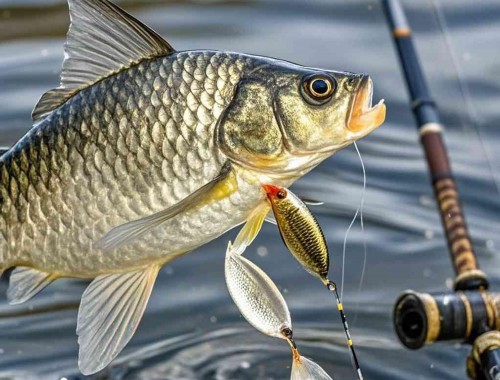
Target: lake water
191, 329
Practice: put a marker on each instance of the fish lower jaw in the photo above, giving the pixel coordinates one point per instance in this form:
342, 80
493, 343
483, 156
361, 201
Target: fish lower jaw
368, 118
364, 117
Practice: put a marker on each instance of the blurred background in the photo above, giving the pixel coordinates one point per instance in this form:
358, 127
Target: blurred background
191, 328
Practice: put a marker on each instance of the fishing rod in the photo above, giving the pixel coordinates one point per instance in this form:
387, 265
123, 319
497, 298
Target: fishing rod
471, 313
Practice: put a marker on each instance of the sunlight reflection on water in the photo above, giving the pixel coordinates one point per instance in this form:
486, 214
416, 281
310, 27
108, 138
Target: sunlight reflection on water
191, 329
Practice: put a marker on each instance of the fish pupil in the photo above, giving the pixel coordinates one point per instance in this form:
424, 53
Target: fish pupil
319, 86
281, 194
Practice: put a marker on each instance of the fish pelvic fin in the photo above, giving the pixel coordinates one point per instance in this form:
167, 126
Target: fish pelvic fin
129, 232
102, 39
251, 228
111, 309
26, 282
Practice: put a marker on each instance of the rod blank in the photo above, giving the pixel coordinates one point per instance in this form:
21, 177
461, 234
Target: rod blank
468, 274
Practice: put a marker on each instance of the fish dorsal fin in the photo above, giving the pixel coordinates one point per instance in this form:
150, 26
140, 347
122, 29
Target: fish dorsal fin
102, 39
25, 283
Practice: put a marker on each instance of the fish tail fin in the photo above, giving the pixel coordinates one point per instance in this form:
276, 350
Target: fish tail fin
305, 369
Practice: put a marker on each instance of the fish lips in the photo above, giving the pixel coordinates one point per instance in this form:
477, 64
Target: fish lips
365, 118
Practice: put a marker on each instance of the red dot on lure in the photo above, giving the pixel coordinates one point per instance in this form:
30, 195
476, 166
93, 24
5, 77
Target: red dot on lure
274, 192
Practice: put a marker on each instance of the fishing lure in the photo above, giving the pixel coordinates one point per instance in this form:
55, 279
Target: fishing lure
257, 297
263, 306
304, 238
300, 230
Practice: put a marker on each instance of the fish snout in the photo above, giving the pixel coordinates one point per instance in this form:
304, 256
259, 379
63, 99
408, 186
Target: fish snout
364, 117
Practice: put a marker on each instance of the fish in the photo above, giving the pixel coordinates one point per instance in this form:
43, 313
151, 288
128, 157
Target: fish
145, 153
263, 306
299, 230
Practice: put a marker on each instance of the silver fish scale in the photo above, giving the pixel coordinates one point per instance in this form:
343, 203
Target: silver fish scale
128, 146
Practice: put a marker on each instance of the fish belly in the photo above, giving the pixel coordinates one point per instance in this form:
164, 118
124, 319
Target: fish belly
126, 147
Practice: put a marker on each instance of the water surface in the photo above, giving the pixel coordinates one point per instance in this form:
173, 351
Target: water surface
191, 329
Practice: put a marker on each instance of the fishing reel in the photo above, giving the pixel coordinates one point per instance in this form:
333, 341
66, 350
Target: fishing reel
471, 316
423, 318
483, 359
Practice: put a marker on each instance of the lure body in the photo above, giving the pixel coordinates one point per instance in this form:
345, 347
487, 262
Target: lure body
256, 296
300, 230
263, 306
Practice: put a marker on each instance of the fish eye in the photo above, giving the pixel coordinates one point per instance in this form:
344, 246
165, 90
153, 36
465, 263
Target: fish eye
319, 87
281, 194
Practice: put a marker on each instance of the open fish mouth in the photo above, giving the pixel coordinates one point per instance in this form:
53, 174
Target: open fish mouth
365, 118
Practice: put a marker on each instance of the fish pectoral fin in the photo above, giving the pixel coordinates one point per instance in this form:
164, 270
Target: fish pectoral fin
26, 282
111, 309
102, 39
128, 232
251, 228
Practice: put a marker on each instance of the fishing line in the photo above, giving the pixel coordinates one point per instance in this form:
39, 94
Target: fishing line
464, 92
343, 254
332, 286
363, 236
358, 211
